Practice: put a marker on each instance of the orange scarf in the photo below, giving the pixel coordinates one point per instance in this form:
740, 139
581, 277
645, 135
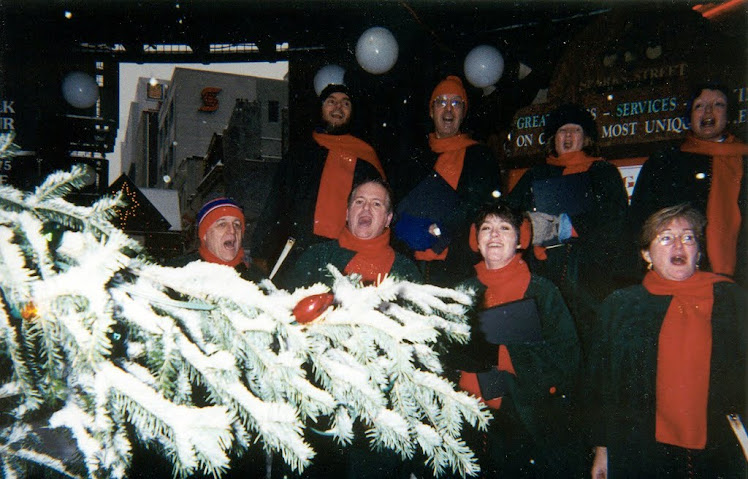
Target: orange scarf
206, 255
572, 162
374, 257
683, 358
449, 166
502, 286
722, 211
337, 179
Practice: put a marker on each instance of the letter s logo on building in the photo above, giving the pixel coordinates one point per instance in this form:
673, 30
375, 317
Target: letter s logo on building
209, 94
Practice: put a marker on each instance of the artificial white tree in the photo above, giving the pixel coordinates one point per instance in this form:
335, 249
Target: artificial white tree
95, 337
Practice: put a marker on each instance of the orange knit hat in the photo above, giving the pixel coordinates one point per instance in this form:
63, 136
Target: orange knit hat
452, 85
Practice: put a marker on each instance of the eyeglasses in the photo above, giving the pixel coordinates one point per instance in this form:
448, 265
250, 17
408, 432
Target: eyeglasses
686, 239
442, 102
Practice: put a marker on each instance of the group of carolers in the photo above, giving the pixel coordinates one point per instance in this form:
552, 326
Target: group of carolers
333, 197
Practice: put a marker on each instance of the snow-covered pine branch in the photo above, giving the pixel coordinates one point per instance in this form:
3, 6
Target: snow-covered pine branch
368, 353
201, 362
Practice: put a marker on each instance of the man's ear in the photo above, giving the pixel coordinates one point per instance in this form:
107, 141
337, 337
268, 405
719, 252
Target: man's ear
389, 220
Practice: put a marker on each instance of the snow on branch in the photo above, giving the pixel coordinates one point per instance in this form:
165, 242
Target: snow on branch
100, 343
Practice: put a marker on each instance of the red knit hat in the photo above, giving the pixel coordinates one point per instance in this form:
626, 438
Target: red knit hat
452, 85
215, 209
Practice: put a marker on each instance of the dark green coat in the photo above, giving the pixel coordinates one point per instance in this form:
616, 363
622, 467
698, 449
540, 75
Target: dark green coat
622, 373
670, 177
311, 267
542, 394
585, 269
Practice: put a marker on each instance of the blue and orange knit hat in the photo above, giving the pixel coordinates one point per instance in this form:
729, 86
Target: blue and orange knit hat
214, 209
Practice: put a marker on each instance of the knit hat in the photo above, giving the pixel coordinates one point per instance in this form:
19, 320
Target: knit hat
451, 85
570, 113
334, 88
215, 209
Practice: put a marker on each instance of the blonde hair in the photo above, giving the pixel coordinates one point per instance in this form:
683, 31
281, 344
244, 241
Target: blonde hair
661, 218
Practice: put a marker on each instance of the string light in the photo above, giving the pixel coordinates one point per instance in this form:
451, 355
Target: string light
131, 211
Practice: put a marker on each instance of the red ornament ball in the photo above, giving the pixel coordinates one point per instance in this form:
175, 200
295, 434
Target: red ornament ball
311, 307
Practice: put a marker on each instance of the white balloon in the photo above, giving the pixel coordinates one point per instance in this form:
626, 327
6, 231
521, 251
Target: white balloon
328, 75
484, 65
376, 50
80, 90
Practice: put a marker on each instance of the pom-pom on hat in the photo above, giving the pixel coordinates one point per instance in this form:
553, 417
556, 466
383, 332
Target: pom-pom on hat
452, 85
334, 88
571, 113
214, 209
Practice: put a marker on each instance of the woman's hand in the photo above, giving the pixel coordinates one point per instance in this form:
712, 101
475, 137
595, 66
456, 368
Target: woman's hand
600, 463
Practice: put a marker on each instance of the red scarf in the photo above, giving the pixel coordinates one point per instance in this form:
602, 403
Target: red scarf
722, 211
502, 286
337, 179
683, 358
374, 257
572, 162
449, 166
206, 255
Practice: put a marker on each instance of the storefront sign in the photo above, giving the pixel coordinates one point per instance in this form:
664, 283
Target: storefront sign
634, 74
639, 115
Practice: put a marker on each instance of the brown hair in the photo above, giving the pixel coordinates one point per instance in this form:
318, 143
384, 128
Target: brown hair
500, 210
658, 220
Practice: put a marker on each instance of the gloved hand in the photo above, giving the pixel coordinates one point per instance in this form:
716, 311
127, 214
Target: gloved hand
414, 231
565, 228
549, 228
